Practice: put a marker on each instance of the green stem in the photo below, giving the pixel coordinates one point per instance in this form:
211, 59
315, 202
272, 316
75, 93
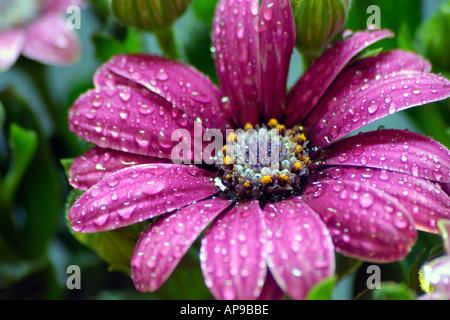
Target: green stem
166, 40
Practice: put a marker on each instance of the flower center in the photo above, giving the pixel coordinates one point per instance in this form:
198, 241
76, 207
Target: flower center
14, 13
268, 163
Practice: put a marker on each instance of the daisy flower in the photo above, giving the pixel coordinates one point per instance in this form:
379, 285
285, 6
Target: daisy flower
271, 228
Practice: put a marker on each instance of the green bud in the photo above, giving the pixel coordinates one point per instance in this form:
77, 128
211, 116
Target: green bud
317, 22
433, 36
148, 15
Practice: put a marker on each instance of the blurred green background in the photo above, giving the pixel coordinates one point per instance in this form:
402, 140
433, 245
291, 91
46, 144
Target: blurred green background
36, 246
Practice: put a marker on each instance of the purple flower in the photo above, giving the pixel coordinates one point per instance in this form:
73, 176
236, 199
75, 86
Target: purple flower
38, 30
273, 226
437, 272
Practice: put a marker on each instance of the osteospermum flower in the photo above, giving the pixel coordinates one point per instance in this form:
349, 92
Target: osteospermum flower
271, 226
436, 273
37, 29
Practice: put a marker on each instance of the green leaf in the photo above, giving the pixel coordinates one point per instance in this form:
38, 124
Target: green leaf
204, 9
433, 37
345, 266
67, 163
108, 45
393, 291
23, 145
413, 281
322, 290
38, 199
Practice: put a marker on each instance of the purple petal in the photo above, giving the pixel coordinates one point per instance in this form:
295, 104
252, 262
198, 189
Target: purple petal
181, 85
231, 254
138, 193
104, 77
60, 5
277, 41
50, 41
437, 272
98, 163
11, 44
444, 229
130, 120
236, 42
271, 290
298, 246
395, 150
365, 223
313, 84
424, 200
361, 72
162, 246
363, 102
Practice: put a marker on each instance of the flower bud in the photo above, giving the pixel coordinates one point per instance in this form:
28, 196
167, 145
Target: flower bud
317, 22
148, 15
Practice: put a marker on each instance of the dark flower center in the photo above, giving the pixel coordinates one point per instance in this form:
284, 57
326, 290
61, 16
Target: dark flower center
268, 163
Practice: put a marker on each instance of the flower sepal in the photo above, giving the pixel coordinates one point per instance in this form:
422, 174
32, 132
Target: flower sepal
149, 15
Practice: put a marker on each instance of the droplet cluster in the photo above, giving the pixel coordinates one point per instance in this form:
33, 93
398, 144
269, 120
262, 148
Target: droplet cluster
268, 163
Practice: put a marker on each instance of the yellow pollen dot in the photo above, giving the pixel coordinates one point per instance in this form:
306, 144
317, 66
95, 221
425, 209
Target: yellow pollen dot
224, 149
229, 176
301, 137
298, 166
248, 126
281, 128
247, 184
232, 137
298, 148
307, 160
284, 178
228, 160
272, 122
266, 179
300, 128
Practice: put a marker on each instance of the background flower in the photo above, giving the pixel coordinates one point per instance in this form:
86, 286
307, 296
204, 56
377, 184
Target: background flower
38, 30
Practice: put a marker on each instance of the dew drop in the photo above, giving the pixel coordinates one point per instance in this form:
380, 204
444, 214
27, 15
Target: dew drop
366, 200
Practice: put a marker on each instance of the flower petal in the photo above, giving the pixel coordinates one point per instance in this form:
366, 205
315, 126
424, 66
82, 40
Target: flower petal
138, 193
50, 41
313, 84
181, 85
12, 42
437, 273
299, 248
271, 290
104, 77
364, 222
236, 42
277, 41
364, 102
444, 229
425, 201
362, 71
131, 120
162, 246
395, 150
98, 163
231, 254
60, 5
